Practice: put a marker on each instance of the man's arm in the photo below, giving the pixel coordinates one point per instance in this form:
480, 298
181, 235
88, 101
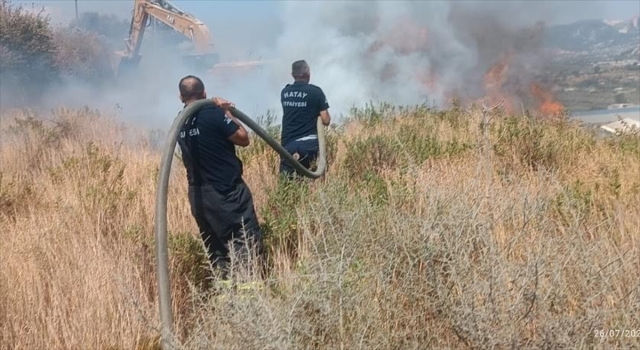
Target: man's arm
326, 118
240, 137
323, 103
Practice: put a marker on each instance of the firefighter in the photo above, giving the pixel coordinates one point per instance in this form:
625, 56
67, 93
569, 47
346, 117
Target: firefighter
221, 202
302, 104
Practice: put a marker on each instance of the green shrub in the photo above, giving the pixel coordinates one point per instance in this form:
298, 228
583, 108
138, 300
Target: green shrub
537, 144
281, 216
409, 146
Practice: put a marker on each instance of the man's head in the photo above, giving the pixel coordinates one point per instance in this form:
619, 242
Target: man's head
191, 89
300, 71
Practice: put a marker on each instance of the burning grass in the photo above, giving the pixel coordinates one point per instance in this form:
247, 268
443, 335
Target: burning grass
430, 230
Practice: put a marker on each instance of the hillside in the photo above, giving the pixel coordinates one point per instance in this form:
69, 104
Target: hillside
427, 231
597, 38
627, 26
594, 63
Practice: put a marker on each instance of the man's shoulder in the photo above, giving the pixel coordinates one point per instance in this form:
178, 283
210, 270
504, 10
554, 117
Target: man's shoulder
210, 111
209, 114
211, 108
286, 88
314, 88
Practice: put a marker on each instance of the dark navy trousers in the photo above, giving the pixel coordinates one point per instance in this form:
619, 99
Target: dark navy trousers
305, 149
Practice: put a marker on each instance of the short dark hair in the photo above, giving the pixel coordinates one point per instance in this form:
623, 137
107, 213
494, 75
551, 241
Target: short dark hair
191, 87
299, 68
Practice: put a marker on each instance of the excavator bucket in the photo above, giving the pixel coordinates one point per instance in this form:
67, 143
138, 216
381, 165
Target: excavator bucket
123, 65
127, 65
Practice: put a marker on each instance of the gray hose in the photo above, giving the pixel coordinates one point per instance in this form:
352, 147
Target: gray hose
322, 156
162, 252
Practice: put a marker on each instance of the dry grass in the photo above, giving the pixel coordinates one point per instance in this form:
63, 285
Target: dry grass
429, 231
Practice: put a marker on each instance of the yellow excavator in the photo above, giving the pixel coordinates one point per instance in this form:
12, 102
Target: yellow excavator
162, 10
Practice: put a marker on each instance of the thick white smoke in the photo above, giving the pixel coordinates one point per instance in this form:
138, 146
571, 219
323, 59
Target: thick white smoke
429, 50
403, 52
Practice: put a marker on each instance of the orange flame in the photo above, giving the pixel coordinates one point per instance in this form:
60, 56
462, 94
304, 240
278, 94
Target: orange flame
494, 80
505, 82
548, 105
496, 89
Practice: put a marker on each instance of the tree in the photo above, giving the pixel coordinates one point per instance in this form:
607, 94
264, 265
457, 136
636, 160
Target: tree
113, 29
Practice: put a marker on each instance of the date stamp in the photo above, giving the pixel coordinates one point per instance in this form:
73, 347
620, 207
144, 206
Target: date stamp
616, 333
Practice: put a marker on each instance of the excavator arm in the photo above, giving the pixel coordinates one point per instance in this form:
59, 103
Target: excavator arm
170, 15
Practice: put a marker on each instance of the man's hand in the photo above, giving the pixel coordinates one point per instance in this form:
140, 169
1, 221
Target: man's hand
222, 103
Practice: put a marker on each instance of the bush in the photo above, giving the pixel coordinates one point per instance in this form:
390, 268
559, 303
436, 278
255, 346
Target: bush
27, 53
36, 58
82, 56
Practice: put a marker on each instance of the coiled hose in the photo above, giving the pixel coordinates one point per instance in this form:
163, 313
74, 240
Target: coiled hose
164, 286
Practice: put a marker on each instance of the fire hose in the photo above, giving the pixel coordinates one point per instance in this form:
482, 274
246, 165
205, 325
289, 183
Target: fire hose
164, 287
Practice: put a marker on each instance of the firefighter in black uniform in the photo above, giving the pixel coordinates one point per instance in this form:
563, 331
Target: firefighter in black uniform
302, 104
221, 202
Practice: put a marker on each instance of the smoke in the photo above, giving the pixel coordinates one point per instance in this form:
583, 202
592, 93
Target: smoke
390, 51
403, 52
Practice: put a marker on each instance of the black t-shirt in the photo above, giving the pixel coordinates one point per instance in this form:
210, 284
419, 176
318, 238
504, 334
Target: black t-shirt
207, 153
301, 106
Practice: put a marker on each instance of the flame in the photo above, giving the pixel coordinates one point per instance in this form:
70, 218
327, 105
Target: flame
507, 82
495, 79
498, 73
548, 104
504, 83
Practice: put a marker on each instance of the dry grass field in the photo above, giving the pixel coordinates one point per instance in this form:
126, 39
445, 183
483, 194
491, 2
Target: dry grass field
430, 230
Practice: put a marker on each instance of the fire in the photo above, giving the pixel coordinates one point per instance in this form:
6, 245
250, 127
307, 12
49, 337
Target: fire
507, 82
494, 81
548, 105
504, 83
498, 73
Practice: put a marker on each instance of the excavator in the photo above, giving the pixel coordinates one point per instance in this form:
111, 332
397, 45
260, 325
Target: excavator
202, 57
